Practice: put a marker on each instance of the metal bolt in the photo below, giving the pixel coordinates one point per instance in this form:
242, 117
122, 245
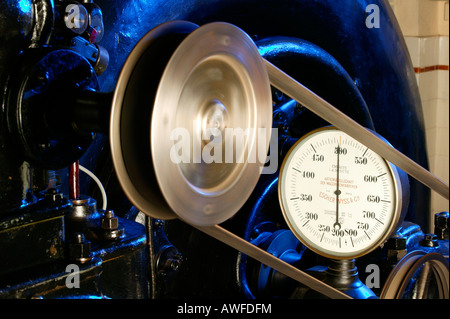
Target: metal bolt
159, 223
79, 248
53, 195
168, 260
396, 249
78, 238
109, 227
430, 240
174, 263
109, 221
298, 108
441, 225
397, 243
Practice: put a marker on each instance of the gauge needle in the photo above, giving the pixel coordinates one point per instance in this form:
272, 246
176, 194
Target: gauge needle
337, 225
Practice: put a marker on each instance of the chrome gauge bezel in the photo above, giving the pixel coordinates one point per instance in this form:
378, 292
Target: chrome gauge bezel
400, 195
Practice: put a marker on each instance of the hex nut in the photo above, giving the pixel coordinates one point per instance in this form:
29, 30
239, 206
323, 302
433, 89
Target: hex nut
396, 243
109, 221
80, 248
441, 225
429, 240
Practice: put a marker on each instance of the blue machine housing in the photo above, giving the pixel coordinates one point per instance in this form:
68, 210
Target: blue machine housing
325, 44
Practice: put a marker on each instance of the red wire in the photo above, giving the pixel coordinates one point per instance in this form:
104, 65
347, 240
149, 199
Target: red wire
74, 183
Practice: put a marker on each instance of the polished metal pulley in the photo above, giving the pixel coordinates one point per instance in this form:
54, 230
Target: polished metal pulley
131, 112
211, 120
213, 100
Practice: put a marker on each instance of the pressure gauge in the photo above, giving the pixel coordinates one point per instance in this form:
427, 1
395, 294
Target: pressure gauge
339, 198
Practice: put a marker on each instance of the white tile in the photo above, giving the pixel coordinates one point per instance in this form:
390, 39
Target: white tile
407, 14
442, 114
413, 45
430, 109
418, 78
430, 137
440, 168
429, 51
443, 84
438, 204
443, 50
446, 11
441, 141
443, 18
428, 85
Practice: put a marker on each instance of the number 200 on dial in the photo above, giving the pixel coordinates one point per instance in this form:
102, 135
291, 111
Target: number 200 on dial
339, 198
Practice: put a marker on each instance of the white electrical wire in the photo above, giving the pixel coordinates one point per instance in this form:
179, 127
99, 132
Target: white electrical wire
99, 184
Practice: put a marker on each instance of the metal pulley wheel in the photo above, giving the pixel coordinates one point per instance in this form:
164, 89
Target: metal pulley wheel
418, 276
131, 114
209, 126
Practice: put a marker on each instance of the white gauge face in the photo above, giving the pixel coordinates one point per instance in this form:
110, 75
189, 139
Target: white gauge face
338, 197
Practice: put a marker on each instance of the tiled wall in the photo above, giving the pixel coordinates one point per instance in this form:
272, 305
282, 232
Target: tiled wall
425, 26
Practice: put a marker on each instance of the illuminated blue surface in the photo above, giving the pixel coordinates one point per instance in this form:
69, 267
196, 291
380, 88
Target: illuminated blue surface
24, 5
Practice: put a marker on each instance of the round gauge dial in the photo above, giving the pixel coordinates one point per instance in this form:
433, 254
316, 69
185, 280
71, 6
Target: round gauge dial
339, 198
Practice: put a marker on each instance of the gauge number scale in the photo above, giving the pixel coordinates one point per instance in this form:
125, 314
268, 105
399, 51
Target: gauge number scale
339, 198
